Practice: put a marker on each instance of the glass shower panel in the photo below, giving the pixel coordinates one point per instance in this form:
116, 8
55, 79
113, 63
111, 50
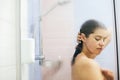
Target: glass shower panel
101, 10
60, 21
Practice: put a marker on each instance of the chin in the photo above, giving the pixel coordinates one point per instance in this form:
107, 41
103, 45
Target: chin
98, 53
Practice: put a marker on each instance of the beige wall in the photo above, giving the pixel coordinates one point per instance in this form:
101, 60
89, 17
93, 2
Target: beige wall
58, 38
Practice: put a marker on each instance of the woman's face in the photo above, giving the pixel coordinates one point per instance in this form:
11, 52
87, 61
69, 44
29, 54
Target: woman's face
97, 41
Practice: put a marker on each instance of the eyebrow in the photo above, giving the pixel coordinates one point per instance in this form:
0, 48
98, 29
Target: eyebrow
101, 36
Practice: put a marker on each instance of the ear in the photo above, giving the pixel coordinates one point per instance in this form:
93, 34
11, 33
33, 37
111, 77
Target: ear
83, 37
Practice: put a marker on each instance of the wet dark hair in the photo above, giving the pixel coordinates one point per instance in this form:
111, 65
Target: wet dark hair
87, 28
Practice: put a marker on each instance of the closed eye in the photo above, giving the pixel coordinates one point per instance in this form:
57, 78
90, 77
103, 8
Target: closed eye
105, 39
97, 38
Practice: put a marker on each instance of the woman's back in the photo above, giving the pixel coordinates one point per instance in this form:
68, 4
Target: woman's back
86, 69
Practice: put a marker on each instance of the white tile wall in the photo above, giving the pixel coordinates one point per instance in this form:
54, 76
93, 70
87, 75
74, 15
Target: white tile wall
7, 44
8, 73
7, 40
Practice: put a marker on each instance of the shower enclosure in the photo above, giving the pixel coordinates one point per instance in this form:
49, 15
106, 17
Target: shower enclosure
49, 29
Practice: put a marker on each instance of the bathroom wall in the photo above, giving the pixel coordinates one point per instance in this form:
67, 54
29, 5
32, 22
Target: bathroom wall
7, 40
58, 38
10, 67
59, 31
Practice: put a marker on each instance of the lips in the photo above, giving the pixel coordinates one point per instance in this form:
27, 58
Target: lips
100, 49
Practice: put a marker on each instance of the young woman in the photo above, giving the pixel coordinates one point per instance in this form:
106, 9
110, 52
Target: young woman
93, 38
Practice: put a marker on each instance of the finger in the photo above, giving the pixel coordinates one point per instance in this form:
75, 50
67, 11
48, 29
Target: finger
78, 33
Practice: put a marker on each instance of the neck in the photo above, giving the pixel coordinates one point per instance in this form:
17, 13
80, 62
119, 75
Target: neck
88, 55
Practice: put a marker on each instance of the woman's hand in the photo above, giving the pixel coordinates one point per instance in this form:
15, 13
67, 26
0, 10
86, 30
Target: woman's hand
107, 74
78, 37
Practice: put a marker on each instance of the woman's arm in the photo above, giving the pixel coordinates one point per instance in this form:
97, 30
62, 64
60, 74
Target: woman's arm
107, 74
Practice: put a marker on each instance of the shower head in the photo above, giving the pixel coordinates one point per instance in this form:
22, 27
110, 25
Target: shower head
59, 3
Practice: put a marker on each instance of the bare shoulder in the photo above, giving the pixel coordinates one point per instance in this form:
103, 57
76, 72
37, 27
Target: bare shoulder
86, 64
89, 67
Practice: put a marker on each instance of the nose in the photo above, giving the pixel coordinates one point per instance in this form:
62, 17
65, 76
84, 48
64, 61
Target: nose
102, 43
